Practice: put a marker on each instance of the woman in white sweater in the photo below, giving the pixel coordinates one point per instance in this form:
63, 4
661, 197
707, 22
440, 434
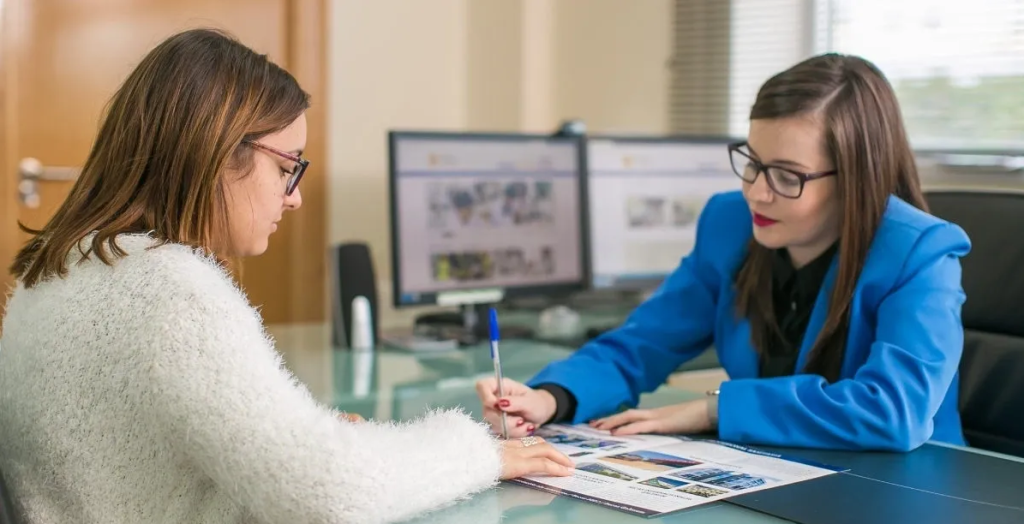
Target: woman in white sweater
137, 383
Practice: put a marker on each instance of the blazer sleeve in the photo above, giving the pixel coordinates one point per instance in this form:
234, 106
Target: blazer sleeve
672, 326
889, 403
218, 390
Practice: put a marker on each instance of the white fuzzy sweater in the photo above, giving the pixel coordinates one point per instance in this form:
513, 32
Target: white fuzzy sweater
148, 392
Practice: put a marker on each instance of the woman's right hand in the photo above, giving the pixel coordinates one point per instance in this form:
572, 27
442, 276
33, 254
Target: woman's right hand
526, 408
541, 458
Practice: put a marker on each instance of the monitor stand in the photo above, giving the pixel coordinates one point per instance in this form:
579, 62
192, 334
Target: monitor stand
469, 326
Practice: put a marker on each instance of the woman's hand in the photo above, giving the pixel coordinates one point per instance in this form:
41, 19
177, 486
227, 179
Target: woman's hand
525, 407
539, 458
351, 417
688, 417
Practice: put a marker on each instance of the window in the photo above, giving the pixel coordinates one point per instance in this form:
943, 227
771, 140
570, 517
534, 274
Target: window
767, 36
957, 66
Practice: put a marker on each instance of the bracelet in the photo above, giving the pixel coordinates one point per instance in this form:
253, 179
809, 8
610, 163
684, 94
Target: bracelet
711, 393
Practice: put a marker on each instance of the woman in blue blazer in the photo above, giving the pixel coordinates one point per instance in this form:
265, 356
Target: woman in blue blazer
832, 297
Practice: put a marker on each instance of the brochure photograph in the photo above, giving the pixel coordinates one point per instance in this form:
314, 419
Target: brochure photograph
653, 475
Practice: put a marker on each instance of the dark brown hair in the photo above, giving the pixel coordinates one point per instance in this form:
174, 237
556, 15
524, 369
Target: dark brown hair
866, 140
173, 128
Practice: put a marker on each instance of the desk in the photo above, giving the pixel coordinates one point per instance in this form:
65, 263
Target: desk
602, 318
394, 384
448, 379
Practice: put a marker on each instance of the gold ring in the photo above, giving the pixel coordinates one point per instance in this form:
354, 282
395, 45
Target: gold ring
529, 441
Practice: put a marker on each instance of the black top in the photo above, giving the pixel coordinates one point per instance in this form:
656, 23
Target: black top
794, 292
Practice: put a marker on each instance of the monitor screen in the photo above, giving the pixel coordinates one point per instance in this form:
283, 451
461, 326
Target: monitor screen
645, 195
484, 212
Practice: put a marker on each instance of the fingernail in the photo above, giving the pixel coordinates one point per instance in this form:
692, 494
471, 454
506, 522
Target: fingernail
521, 422
504, 403
529, 428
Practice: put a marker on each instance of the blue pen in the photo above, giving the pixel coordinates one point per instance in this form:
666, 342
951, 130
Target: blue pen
497, 368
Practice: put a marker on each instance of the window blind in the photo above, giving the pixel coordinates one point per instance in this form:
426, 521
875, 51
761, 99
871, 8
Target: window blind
699, 81
957, 67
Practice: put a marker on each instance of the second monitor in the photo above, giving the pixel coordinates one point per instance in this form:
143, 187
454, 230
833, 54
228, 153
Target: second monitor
645, 194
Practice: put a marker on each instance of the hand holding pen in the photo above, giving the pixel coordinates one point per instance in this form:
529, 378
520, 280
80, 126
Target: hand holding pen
496, 358
510, 407
519, 457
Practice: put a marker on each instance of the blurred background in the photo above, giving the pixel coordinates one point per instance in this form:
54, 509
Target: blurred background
650, 67
654, 67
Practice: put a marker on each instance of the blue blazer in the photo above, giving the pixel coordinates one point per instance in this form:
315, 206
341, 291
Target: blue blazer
899, 381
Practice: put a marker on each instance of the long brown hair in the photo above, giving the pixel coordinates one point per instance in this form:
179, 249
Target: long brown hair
172, 129
866, 140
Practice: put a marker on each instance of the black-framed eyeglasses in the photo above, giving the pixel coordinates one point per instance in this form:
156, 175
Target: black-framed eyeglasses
297, 170
783, 181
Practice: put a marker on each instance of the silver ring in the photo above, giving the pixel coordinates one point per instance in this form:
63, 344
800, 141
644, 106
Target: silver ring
529, 441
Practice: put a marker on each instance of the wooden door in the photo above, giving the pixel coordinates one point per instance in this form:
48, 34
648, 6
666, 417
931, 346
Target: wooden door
61, 60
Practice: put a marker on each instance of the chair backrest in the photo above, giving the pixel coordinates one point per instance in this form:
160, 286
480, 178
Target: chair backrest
7, 509
992, 368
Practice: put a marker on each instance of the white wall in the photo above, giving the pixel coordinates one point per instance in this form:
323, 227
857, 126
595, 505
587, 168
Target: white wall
478, 65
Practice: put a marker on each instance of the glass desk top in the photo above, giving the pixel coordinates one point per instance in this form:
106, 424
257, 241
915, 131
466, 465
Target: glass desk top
396, 384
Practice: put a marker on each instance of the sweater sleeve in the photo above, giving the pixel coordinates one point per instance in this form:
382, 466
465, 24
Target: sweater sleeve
221, 395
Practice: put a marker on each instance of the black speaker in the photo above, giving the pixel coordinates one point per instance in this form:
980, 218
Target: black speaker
354, 277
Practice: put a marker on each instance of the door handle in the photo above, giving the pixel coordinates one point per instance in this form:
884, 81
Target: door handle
31, 172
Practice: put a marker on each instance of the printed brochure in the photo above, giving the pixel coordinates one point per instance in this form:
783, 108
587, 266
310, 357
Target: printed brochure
652, 475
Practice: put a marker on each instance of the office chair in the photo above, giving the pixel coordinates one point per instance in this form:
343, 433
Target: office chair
992, 368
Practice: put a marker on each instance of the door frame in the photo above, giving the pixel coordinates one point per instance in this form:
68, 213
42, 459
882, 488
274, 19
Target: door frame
290, 285
296, 270
307, 58
8, 172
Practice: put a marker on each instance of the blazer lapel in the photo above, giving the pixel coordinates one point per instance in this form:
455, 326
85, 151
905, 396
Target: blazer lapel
732, 344
818, 315
744, 359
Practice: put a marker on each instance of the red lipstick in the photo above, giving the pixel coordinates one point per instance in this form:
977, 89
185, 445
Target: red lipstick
763, 221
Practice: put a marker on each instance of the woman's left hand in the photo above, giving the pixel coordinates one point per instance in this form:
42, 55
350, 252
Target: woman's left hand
686, 418
351, 417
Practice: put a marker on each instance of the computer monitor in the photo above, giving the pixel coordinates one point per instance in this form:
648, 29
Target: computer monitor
644, 197
477, 218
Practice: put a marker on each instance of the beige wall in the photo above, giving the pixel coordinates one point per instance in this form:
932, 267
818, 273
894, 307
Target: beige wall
612, 60
392, 64
478, 65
